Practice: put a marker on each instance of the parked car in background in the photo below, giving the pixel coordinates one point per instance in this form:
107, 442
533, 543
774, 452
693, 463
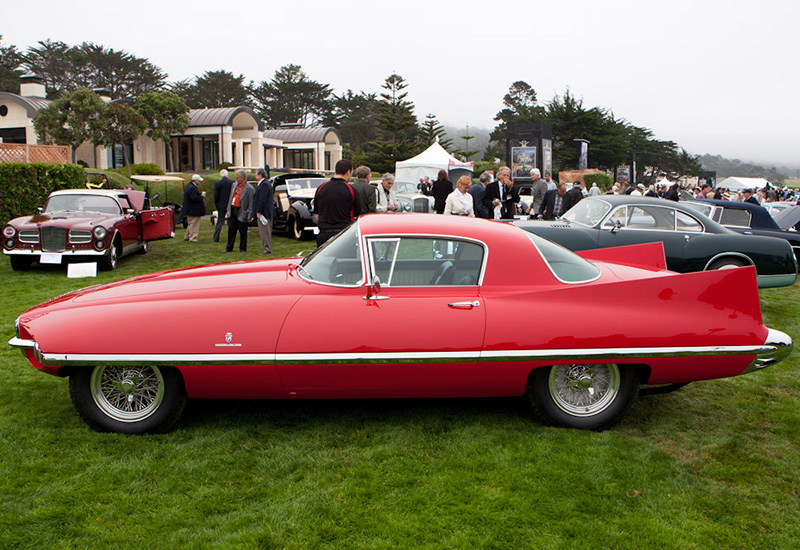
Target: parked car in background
510, 314
294, 197
96, 224
745, 218
410, 199
692, 242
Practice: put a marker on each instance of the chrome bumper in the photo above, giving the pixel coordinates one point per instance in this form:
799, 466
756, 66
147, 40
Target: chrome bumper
777, 347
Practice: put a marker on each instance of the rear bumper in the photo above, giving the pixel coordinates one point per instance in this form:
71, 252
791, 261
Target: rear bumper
777, 347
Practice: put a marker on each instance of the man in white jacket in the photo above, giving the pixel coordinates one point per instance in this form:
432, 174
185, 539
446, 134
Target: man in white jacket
387, 198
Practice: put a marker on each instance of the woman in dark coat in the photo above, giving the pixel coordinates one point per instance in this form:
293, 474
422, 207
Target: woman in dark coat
441, 188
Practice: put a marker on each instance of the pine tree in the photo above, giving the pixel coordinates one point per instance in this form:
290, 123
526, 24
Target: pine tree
431, 129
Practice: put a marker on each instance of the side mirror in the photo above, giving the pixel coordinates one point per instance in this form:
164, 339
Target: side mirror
616, 227
40, 209
130, 211
373, 289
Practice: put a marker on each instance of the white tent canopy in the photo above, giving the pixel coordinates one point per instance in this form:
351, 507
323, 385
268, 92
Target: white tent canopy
429, 162
737, 184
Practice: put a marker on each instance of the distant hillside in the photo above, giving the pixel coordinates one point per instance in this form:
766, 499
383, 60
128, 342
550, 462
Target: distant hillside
734, 167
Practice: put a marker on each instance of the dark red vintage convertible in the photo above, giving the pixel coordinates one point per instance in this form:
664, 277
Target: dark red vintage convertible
101, 225
404, 306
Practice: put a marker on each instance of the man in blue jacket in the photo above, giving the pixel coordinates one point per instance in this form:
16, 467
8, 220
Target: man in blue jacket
264, 210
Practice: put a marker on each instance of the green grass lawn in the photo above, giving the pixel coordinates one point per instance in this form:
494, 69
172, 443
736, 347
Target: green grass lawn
714, 465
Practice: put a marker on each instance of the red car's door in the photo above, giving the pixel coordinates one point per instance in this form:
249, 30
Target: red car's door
412, 341
158, 223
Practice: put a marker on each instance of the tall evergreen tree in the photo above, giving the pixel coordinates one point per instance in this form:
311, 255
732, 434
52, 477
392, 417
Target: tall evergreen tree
215, 89
399, 125
10, 62
89, 65
354, 115
292, 97
431, 130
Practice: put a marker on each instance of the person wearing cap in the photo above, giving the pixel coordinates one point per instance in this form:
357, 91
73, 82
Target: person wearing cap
638, 191
748, 196
574, 195
193, 208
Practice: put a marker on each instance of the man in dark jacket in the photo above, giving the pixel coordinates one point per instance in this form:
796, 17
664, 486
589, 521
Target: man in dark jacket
672, 194
556, 202
501, 196
264, 209
365, 192
478, 191
222, 192
193, 208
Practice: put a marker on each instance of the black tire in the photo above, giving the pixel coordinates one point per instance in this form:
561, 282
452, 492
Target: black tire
109, 261
21, 263
727, 263
296, 229
586, 397
129, 400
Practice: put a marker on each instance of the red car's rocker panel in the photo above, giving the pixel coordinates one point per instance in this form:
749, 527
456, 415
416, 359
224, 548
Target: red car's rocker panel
576, 337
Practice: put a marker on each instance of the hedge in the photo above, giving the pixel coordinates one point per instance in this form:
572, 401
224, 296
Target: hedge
25, 186
603, 181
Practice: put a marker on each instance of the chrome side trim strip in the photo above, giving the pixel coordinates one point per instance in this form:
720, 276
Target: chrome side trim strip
766, 350
779, 346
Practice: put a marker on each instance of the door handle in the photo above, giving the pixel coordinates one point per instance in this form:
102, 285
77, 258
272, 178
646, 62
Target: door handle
464, 305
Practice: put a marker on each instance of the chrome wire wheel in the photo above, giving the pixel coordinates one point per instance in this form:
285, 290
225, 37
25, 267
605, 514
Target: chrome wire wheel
127, 394
584, 390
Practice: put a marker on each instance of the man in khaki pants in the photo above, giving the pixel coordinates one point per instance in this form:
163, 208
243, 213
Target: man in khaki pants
193, 208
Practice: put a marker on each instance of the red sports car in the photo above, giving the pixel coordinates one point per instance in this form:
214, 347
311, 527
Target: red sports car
404, 306
98, 224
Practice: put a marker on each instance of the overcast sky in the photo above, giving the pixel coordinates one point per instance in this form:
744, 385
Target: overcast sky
717, 77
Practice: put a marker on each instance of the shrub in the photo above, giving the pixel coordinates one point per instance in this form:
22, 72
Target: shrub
225, 165
25, 186
482, 165
146, 169
603, 181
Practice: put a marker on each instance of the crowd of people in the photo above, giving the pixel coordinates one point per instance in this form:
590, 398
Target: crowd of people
338, 202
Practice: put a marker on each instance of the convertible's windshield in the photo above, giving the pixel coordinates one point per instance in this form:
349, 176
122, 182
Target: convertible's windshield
336, 262
588, 212
304, 185
82, 203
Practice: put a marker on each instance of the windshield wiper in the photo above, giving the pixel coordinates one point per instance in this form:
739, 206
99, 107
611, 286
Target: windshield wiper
300, 266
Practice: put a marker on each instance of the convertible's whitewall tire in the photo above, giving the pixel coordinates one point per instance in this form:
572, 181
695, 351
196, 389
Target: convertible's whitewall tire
110, 260
587, 397
296, 228
129, 399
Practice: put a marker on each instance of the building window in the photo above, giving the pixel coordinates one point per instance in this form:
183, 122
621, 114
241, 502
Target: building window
210, 153
117, 159
185, 156
13, 135
299, 159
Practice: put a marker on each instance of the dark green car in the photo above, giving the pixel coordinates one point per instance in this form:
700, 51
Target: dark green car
692, 242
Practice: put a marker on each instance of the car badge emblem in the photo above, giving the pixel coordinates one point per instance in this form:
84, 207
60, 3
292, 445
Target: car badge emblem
228, 337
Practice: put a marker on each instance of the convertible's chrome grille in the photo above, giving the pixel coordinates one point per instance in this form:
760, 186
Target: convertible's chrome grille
422, 204
54, 239
78, 236
29, 236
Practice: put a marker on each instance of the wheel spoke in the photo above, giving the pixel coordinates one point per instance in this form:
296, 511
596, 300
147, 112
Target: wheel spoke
127, 394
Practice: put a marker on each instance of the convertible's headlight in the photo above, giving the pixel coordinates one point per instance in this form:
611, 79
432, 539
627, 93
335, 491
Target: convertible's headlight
99, 232
9, 243
9, 231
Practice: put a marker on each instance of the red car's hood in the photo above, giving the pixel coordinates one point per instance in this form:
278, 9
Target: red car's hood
62, 219
229, 278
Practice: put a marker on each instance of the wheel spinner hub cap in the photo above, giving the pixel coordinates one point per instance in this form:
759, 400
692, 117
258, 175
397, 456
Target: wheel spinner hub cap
584, 390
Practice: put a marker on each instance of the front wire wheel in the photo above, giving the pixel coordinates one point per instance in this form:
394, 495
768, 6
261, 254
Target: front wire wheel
584, 396
128, 399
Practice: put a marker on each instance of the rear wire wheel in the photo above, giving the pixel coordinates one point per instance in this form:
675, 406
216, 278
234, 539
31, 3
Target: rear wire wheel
583, 396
